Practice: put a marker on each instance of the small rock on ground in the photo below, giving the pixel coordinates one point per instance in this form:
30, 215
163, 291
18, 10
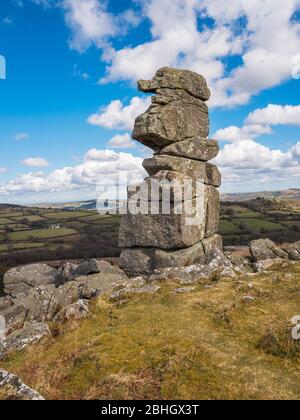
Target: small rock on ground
12, 388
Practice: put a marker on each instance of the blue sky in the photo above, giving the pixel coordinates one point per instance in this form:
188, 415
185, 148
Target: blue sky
69, 99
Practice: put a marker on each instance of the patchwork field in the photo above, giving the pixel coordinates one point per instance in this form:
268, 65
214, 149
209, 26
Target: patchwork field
242, 222
34, 228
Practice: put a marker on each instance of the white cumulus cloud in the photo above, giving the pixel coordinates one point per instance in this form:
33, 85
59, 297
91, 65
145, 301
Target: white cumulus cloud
276, 115
117, 116
100, 172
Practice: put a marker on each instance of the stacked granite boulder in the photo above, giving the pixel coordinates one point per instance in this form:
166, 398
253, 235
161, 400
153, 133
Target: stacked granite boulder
176, 127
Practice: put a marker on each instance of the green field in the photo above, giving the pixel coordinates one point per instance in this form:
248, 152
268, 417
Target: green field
64, 215
80, 232
20, 246
248, 215
258, 224
112, 220
243, 222
5, 221
228, 228
292, 223
95, 217
89, 230
12, 214
40, 234
29, 218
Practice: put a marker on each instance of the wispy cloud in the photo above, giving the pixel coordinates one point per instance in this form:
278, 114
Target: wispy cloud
22, 136
7, 20
35, 162
121, 141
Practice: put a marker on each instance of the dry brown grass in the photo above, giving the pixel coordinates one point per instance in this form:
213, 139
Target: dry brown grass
210, 343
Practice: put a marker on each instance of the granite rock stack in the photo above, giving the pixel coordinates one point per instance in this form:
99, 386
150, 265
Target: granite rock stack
176, 127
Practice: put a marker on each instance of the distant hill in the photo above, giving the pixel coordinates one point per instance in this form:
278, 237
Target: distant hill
5, 206
77, 205
291, 194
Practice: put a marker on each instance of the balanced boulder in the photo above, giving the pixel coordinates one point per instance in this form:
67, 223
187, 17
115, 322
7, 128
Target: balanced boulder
176, 126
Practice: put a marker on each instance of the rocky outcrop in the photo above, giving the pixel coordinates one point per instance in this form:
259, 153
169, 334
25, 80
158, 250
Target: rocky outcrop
217, 265
293, 251
265, 249
29, 334
21, 279
12, 388
176, 127
75, 312
60, 295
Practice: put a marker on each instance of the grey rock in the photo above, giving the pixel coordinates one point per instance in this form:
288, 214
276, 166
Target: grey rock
98, 284
123, 293
13, 388
143, 261
178, 258
228, 273
158, 237
264, 249
219, 261
168, 186
195, 273
201, 171
174, 79
21, 279
66, 272
149, 288
137, 261
165, 231
162, 125
265, 265
6, 302
238, 261
212, 211
94, 266
75, 312
248, 299
194, 148
293, 251
63, 296
33, 307
212, 245
181, 290
29, 334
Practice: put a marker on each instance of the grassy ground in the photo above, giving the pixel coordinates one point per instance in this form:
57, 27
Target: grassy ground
211, 343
